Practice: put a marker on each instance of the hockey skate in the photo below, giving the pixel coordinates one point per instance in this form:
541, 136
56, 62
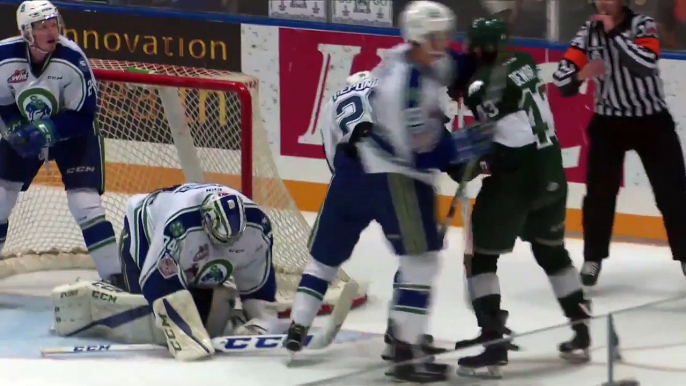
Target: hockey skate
577, 350
294, 337
487, 364
417, 372
482, 339
426, 346
590, 272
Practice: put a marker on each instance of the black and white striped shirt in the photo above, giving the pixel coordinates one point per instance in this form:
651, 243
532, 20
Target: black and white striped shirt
631, 86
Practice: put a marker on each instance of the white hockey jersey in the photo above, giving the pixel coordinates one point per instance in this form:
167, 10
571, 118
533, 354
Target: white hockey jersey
167, 236
408, 115
66, 82
346, 108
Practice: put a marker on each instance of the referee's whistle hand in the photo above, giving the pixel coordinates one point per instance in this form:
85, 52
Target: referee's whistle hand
607, 20
593, 69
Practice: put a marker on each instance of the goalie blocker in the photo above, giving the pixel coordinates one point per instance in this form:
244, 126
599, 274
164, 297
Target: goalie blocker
99, 309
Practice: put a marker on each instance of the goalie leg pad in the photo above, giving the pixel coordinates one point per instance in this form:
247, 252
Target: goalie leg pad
178, 317
99, 309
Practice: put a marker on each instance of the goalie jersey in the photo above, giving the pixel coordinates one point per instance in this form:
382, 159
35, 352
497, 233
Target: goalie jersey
64, 91
173, 252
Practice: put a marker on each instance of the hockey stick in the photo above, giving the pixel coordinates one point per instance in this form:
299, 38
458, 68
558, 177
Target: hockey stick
461, 189
228, 344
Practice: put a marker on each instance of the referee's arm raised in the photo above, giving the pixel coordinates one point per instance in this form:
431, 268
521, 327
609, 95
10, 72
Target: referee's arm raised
640, 51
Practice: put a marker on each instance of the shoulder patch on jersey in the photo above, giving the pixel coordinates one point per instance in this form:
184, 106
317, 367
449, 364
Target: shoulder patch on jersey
214, 273
37, 103
475, 87
167, 266
19, 76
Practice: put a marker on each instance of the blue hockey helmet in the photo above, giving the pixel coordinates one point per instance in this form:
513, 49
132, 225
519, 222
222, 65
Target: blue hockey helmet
223, 217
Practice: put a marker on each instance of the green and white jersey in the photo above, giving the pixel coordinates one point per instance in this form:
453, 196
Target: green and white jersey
512, 94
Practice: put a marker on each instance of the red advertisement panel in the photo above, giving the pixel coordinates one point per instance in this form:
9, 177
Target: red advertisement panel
314, 65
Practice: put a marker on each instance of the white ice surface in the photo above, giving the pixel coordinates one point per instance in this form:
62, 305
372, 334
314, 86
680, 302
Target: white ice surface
654, 339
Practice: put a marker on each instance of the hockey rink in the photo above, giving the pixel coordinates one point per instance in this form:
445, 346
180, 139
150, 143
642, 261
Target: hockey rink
653, 338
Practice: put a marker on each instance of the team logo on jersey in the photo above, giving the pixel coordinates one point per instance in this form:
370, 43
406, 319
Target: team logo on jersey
19, 76
37, 103
176, 229
214, 273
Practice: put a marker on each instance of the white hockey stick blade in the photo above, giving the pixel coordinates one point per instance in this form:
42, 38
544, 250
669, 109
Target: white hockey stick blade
327, 334
47, 351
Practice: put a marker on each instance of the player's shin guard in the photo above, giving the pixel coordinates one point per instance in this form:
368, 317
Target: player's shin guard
484, 291
308, 300
9, 192
564, 280
412, 296
98, 234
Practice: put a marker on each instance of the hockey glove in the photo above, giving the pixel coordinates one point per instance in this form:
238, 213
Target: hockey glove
29, 140
456, 172
472, 142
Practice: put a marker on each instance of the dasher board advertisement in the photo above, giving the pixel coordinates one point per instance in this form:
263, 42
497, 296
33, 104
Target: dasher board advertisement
149, 38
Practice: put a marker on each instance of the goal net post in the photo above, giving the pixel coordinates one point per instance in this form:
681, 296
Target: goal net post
165, 125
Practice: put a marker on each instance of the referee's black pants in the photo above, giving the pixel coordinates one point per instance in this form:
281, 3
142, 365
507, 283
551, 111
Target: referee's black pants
655, 140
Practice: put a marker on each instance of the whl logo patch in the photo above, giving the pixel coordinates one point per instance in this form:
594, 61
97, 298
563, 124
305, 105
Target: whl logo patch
19, 76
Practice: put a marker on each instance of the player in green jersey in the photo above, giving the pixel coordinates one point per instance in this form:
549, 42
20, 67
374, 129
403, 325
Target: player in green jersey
524, 196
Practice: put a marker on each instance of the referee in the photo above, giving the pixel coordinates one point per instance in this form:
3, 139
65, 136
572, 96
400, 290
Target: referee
619, 50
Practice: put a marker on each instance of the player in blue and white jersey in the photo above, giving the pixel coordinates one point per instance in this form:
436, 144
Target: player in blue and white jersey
48, 103
393, 142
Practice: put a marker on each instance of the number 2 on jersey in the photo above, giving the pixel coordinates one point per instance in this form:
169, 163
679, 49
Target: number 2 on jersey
349, 110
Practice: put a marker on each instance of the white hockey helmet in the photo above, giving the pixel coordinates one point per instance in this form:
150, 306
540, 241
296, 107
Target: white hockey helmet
223, 217
33, 11
423, 20
357, 77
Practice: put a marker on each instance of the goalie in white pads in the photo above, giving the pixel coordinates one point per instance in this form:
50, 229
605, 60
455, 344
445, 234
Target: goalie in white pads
178, 248
385, 139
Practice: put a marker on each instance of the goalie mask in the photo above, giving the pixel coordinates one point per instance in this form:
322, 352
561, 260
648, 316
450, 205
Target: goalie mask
32, 13
223, 217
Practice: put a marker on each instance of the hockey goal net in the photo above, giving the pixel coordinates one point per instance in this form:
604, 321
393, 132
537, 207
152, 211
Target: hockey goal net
165, 125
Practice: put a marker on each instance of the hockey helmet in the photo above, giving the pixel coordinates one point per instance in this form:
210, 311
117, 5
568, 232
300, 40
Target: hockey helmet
357, 77
33, 11
422, 21
488, 34
223, 217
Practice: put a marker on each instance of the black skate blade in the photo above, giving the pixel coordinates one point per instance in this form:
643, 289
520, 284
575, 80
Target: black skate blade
486, 372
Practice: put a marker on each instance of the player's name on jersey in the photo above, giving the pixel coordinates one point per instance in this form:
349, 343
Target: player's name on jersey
311, 10
366, 12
